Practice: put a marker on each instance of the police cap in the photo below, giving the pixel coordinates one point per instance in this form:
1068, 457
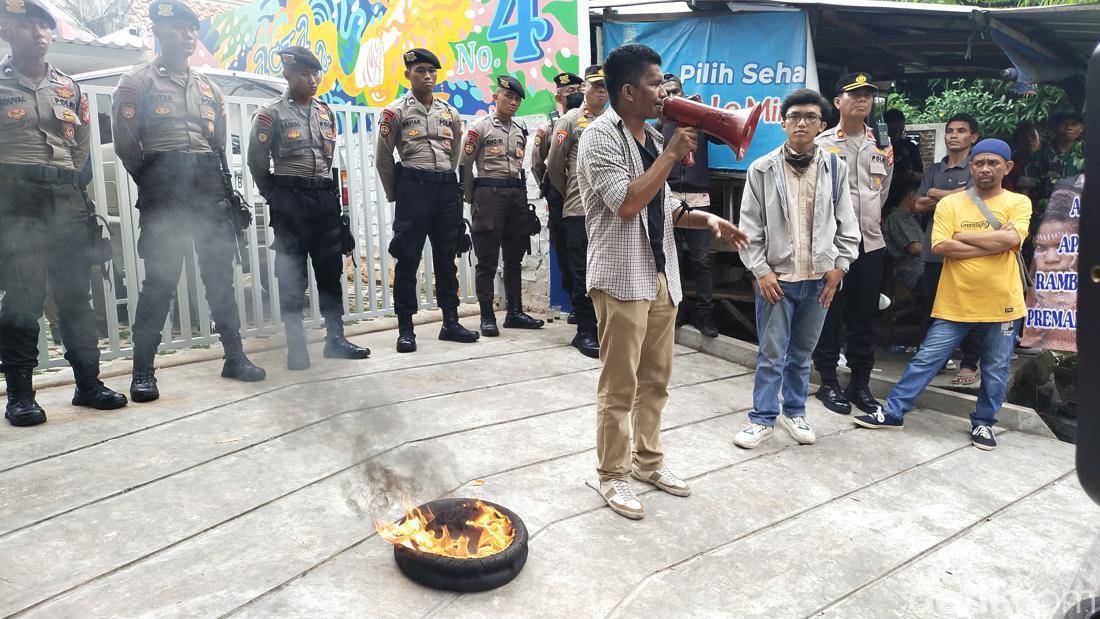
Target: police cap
26, 8
298, 56
419, 55
169, 10
593, 73
511, 83
853, 82
561, 80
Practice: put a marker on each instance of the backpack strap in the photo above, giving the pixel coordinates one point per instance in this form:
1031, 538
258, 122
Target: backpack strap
994, 223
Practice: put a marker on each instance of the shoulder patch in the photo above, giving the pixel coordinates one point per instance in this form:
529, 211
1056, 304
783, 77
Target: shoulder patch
264, 119
560, 136
85, 113
472, 135
125, 92
388, 115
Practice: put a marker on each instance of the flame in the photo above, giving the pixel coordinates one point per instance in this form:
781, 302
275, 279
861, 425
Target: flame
493, 529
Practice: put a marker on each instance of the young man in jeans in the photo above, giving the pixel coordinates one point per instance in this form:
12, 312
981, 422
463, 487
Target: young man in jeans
803, 235
981, 289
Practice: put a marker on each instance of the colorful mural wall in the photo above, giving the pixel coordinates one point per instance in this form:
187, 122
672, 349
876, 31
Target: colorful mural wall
360, 44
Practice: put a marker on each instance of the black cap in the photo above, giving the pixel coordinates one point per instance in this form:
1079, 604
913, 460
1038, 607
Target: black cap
27, 8
561, 80
168, 10
854, 81
671, 77
299, 56
419, 55
511, 83
594, 73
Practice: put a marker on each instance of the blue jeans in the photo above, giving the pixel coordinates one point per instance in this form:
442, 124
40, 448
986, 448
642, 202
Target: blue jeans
788, 333
997, 339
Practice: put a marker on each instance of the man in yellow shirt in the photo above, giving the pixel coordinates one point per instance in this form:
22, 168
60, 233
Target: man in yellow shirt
981, 288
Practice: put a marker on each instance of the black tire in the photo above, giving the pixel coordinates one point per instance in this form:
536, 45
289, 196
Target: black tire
465, 575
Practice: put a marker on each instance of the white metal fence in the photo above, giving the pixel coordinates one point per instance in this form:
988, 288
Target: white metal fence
368, 279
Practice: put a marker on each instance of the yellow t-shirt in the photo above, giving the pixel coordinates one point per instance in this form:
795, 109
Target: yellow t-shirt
986, 289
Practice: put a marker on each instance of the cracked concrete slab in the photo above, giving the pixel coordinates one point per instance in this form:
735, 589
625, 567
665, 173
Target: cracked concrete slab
260, 500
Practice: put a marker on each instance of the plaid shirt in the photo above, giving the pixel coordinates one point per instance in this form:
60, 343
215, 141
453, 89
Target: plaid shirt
620, 258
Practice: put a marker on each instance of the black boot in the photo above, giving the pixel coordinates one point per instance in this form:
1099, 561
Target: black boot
406, 338
831, 396
586, 342
22, 410
237, 366
859, 394
452, 331
571, 319
489, 320
297, 355
517, 319
704, 322
91, 392
337, 346
143, 384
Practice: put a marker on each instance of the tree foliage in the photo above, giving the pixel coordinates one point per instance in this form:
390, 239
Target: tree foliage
992, 102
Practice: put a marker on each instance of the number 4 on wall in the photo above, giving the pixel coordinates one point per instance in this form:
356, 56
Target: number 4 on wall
528, 30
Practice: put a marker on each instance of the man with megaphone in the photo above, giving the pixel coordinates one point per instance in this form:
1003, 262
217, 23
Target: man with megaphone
632, 271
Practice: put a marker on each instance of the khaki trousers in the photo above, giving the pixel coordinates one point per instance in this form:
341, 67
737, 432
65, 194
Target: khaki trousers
636, 344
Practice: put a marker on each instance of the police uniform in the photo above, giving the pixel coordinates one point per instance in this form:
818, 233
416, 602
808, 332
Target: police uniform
168, 126
305, 210
555, 202
499, 197
870, 169
45, 231
561, 170
429, 202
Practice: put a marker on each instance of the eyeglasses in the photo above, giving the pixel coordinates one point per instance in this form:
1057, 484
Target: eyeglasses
800, 118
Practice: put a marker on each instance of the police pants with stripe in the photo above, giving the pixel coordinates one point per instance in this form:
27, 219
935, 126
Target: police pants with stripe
177, 213
44, 240
425, 210
307, 225
499, 225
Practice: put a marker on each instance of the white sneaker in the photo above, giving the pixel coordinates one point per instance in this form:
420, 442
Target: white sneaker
621, 499
663, 479
798, 429
752, 435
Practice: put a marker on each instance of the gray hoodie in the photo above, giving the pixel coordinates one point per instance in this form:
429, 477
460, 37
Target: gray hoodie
836, 236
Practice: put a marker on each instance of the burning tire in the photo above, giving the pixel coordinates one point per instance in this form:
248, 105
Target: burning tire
464, 574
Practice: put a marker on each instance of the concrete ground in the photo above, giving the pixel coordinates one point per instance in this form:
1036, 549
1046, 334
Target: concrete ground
258, 500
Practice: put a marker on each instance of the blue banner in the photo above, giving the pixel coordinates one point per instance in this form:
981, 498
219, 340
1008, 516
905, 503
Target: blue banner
734, 62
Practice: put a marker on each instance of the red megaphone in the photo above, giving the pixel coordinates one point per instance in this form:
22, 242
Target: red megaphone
734, 127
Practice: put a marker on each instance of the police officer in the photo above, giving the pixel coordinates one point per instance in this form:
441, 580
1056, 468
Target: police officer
298, 132
870, 168
427, 133
498, 194
561, 169
45, 234
168, 122
569, 95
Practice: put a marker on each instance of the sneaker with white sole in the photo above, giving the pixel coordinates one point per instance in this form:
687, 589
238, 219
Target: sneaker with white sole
798, 429
983, 438
878, 420
662, 479
752, 435
621, 499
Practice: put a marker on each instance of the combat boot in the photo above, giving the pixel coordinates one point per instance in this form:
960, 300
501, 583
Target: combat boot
585, 340
143, 384
452, 331
517, 319
297, 355
22, 410
704, 322
406, 337
237, 365
91, 392
489, 320
337, 346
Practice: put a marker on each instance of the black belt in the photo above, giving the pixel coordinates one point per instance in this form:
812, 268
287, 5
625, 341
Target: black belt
509, 183
425, 175
44, 173
179, 159
303, 182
